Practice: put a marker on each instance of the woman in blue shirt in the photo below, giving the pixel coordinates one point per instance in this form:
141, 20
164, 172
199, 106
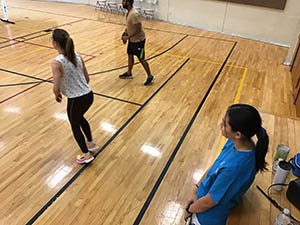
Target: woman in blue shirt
233, 172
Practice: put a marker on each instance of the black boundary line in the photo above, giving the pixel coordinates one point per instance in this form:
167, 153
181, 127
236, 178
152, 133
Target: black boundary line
173, 32
168, 164
51, 81
26, 35
152, 57
118, 99
22, 41
49, 203
24, 75
18, 84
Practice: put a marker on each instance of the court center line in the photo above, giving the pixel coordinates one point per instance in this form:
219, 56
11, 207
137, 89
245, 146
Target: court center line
169, 162
52, 200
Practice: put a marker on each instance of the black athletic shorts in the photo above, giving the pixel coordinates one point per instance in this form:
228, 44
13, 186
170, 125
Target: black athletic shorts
136, 48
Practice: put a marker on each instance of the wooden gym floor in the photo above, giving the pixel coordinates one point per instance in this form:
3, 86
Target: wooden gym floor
155, 142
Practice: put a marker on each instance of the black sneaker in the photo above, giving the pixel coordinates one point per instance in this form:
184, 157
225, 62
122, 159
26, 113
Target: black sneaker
149, 81
126, 75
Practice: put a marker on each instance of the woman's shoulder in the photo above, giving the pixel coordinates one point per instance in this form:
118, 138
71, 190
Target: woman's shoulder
228, 145
59, 58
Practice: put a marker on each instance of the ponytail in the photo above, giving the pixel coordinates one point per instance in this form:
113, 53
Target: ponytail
69, 51
261, 149
246, 119
66, 44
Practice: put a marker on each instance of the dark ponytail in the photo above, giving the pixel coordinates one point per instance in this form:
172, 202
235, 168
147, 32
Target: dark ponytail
261, 149
66, 44
246, 119
69, 52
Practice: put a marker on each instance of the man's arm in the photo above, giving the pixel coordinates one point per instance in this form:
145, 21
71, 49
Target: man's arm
137, 28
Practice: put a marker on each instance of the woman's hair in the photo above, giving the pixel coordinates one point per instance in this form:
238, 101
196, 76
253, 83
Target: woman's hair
66, 44
246, 119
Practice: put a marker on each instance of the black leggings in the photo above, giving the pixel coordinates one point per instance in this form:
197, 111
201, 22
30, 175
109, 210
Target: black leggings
76, 108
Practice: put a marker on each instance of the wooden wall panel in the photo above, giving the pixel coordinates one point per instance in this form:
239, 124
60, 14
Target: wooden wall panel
276, 4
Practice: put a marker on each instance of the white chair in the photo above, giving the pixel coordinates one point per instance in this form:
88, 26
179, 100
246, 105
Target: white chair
139, 9
113, 7
121, 9
138, 6
150, 12
102, 5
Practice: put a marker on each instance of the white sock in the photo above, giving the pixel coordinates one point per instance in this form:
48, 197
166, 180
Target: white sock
91, 142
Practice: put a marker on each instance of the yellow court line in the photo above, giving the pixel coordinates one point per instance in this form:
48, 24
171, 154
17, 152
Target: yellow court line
172, 55
238, 93
222, 143
217, 63
237, 96
206, 61
22, 55
200, 60
238, 67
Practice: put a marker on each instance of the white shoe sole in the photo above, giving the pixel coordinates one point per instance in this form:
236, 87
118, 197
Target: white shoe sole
86, 161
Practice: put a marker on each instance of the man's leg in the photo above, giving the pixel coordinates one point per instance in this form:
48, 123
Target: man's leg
150, 78
128, 74
146, 67
130, 63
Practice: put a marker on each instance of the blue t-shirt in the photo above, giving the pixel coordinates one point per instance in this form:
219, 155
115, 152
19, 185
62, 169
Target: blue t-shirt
227, 181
